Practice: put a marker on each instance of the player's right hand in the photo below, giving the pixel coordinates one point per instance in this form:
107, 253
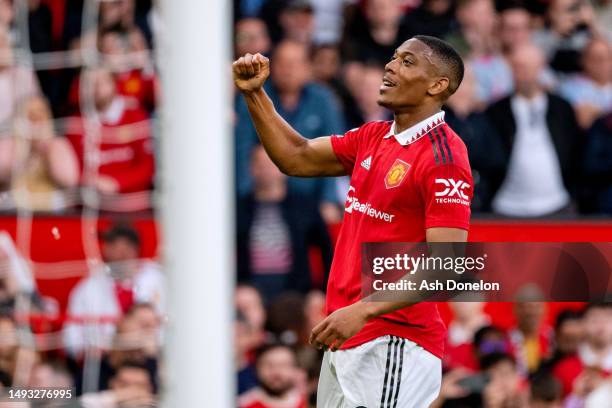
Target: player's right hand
250, 72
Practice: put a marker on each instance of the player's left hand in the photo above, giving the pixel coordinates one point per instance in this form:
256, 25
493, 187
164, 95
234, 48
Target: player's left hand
338, 327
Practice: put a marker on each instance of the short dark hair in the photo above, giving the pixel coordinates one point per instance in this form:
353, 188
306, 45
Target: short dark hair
546, 388
121, 230
566, 316
452, 64
273, 345
491, 360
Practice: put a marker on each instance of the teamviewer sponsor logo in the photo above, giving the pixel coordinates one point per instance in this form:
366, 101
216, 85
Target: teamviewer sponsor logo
453, 192
353, 204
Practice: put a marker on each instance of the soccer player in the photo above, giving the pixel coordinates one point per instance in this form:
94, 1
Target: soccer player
410, 182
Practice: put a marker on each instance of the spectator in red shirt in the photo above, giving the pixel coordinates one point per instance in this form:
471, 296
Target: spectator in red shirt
594, 357
124, 161
278, 377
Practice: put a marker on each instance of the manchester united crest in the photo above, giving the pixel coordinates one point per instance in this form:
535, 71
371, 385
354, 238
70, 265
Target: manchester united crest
396, 173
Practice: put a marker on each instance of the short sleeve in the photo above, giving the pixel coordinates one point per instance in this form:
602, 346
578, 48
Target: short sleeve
447, 193
346, 147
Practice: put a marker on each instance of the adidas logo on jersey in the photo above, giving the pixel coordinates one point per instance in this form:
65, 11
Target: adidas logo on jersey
367, 163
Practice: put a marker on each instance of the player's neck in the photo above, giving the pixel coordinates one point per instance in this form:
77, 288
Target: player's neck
407, 119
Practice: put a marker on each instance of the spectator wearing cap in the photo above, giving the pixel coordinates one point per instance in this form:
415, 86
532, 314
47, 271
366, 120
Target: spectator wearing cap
98, 301
598, 166
276, 230
590, 91
308, 107
541, 142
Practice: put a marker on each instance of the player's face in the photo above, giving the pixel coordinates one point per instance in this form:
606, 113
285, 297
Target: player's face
408, 76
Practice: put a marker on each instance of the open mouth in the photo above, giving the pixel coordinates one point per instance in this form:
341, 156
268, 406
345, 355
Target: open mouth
388, 83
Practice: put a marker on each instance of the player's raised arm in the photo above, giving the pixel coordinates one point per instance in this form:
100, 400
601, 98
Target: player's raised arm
292, 153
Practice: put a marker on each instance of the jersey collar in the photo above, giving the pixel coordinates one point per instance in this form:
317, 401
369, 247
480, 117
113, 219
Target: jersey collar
414, 133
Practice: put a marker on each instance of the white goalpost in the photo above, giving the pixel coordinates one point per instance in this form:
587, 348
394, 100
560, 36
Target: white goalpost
196, 203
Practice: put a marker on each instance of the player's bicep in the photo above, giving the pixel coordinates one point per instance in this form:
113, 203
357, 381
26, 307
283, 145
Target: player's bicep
320, 159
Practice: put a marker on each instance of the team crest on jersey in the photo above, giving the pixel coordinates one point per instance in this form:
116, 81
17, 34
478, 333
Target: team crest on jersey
396, 173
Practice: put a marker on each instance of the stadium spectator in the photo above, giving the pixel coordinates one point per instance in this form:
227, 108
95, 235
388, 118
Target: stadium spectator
250, 304
432, 17
130, 344
246, 339
476, 39
568, 335
545, 392
17, 285
514, 28
590, 92
50, 374
279, 380
326, 69
374, 33
531, 338
464, 112
16, 359
468, 318
35, 165
366, 94
598, 166
329, 20
309, 107
16, 82
125, 158
130, 387
251, 36
297, 21
276, 229
505, 388
580, 373
541, 140
98, 301
570, 24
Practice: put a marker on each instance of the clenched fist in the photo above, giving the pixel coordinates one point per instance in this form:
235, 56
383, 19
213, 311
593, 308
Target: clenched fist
250, 72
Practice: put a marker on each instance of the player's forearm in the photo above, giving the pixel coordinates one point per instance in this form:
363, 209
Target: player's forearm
373, 309
282, 143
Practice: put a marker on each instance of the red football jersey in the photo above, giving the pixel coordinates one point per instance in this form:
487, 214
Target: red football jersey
401, 184
125, 147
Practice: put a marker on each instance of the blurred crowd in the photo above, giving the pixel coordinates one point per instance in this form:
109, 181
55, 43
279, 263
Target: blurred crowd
566, 363
79, 92
534, 109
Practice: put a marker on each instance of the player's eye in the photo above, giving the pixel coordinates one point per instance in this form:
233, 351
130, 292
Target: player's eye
407, 62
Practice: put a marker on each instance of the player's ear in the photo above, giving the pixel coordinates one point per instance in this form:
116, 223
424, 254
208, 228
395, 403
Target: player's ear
439, 86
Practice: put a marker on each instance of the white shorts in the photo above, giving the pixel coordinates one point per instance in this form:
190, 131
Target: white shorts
387, 372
